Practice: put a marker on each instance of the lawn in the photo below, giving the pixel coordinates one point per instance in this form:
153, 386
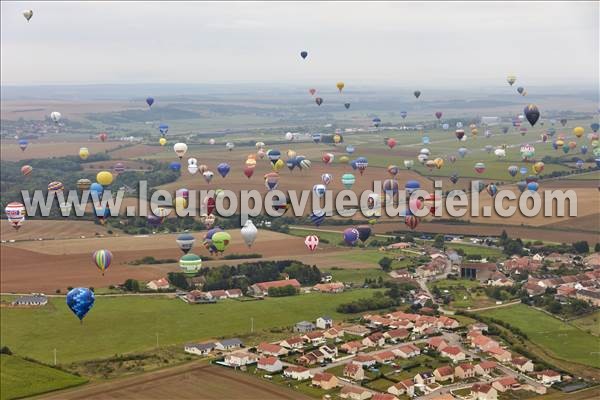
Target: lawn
563, 340
20, 378
357, 276
130, 324
590, 323
463, 292
483, 251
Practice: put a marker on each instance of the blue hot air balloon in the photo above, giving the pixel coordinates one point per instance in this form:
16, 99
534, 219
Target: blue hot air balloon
533, 186
583, 149
411, 186
351, 236
274, 155
523, 170
512, 170
163, 128
522, 185
319, 190
150, 101
425, 139
96, 188
317, 217
316, 137
80, 301
462, 152
291, 163
403, 114
376, 122
175, 166
23, 144
304, 54
579, 164
350, 149
595, 126
223, 169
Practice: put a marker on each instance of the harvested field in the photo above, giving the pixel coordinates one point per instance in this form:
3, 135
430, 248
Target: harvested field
40, 109
190, 381
51, 229
10, 151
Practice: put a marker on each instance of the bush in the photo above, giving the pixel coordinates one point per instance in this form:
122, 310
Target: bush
5, 350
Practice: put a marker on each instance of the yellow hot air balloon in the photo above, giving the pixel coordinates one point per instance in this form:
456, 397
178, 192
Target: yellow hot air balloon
344, 159
104, 178
439, 162
291, 153
474, 131
337, 138
84, 153
180, 203
340, 86
251, 162
162, 141
538, 167
578, 131
279, 164
559, 142
251, 156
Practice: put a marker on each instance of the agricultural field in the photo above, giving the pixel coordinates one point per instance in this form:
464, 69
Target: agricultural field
20, 378
141, 318
589, 323
355, 276
561, 339
464, 292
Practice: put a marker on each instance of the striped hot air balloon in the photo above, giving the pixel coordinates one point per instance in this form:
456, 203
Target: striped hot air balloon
102, 259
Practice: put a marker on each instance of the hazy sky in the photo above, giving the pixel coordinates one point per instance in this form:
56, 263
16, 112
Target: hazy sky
420, 44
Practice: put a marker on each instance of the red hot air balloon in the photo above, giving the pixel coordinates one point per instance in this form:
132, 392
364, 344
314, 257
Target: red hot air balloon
311, 242
460, 133
103, 136
312, 91
438, 114
391, 142
411, 221
248, 171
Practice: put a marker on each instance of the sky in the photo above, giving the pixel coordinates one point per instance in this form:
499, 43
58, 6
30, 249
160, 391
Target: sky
416, 44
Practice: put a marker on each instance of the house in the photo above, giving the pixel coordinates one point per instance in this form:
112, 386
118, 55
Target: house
464, 371
479, 326
406, 386
384, 396
500, 354
483, 391
444, 373
454, 353
270, 349
36, 300
297, 372
161, 284
365, 360
240, 358
483, 342
506, 383
293, 343
480, 271
548, 377
304, 326
234, 293
407, 351
229, 344
355, 393
385, 356
333, 287
333, 333
373, 340
199, 349
313, 357
357, 330
325, 380
354, 371
196, 296
330, 352
424, 378
437, 343
522, 364
485, 367
396, 335
352, 347
324, 322
216, 295
262, 288
591, 296
315, 338
447, 323
269, 364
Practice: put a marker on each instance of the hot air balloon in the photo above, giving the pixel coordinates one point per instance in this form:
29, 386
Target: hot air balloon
102, 259
190, 264
364, 232
319, 101
521, 185
393, 170
417, 93
579, 164
492, 189
162, 141
327, 158
229, 146
533, 186
317, 217
538, 167
578, 131
460, 133
390, 187
312, 91
55, 186
149, 101
271, 180
348, 180
55, 116
532, 113
347, 105
500, 153
185, 242
249, 233
583, 149
104, 178
223, 169
304, 54
180, 149
163, 128
488, 148
351, 236
411, 186
28, 14
221, 240
26, 170
311, 242
340, 86
595, 126
15, 213
80, 301
326, 178
527, 151
521, 90
411, 221
391, 142
438, 114
361, 164
319, 190
248, 171
403, 114
511, 79
454, 178
84, 153
563, 121
23, 143
512, 170
103, 136
376, 122
119, 168
479, 168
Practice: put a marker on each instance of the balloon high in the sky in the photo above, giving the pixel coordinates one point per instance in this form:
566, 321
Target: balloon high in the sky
511, 79
340, 86
28, 14
23, 143
304, 54
319, 101
180, 149
417, 93
532, 113
55, 116
150, 101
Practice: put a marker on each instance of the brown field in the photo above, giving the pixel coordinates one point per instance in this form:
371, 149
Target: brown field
55, 229
140, 150
109, 164
10, 151
40, 109
57, 264
189, 381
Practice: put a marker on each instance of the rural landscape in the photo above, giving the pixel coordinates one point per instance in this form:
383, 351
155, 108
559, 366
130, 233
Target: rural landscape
135, 299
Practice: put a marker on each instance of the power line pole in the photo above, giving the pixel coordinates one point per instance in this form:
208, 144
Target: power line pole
157, 340
251, 324
54, 356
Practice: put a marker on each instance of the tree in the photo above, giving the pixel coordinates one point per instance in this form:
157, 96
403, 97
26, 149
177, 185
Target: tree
132, 285
597, 247
438, 241
386, 264
503, 238
581, 247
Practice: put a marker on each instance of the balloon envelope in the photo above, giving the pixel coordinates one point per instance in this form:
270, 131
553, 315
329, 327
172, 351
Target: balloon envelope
80, 301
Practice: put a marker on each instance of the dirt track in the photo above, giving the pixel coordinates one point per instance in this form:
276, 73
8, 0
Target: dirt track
190, 381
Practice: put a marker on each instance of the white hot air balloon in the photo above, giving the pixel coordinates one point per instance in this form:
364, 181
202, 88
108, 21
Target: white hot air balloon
249, 233
500, 153
211, 141
192, 168
208, 175
229, 146
55, 116
180, 149
289, 136
28, 14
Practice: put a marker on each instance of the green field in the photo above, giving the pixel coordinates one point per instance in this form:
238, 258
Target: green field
464, 293
20, 378
483, 251
128, 324
590, 323
357, 276
563, 340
